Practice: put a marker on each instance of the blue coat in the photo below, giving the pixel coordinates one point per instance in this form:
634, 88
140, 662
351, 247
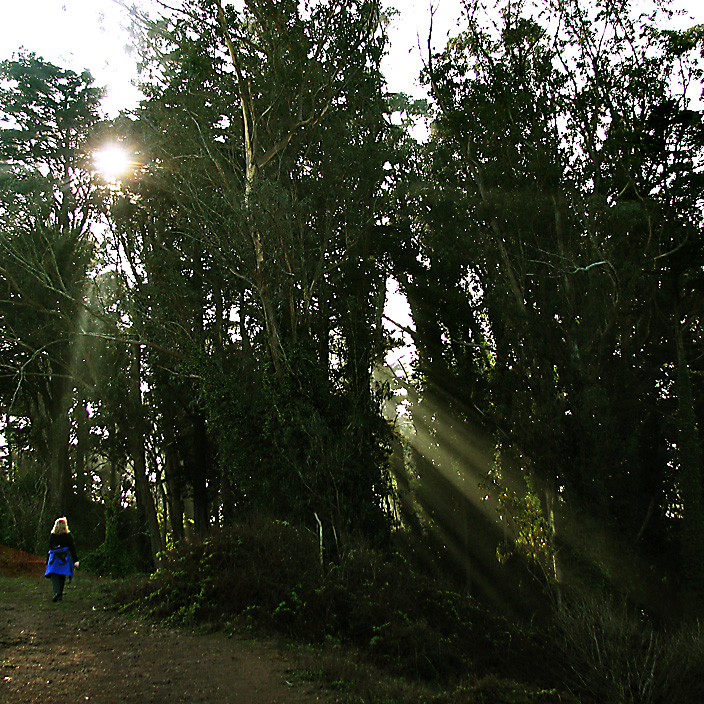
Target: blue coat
60, 562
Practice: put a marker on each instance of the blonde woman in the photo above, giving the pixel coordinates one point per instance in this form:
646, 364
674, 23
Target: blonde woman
62, 557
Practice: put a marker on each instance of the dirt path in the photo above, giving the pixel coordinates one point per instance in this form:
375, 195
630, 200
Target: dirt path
76, 651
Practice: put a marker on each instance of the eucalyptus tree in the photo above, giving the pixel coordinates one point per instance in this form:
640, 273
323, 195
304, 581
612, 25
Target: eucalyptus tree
46, 249
562, 215
265, 131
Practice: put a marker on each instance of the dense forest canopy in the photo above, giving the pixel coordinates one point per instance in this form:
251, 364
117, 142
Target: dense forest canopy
204, 338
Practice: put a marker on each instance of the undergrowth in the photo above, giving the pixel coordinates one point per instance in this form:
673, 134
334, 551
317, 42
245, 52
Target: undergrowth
611, 653
372, 627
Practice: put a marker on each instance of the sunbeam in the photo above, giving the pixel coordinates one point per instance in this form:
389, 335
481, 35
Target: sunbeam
463, 526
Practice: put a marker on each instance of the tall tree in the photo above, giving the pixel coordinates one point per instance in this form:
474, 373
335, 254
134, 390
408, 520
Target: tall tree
265, 135
48, 199
563, 188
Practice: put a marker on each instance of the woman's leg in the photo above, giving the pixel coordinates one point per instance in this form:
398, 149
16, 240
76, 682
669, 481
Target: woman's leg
57, 585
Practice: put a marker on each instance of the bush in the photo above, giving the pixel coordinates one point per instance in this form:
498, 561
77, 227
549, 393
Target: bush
267, 575
613, 654
255, 572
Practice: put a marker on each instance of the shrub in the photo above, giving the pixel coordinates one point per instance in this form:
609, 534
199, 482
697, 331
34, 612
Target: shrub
255, 572
267, 575
613, 654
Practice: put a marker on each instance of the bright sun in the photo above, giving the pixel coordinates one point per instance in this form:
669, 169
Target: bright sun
112, 162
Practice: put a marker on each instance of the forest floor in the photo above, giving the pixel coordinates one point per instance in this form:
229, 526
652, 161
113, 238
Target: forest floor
79, 650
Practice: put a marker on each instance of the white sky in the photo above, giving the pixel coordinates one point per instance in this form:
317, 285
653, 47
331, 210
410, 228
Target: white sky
79, 34
91, 34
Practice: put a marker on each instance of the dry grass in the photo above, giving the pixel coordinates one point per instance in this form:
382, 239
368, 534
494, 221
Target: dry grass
611, 653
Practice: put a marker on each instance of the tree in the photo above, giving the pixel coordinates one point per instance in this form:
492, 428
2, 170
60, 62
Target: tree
561, 189
261, 191
48, 199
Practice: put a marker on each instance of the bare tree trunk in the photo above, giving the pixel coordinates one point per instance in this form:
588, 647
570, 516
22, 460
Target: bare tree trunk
145, 500
175, 494
82, 449
549, 509
59, 432
200, 474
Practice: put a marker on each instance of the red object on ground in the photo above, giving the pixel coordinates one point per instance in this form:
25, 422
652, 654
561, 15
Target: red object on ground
17, 563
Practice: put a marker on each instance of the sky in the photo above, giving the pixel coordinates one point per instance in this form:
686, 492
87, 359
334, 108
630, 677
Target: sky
79, 34
92, 34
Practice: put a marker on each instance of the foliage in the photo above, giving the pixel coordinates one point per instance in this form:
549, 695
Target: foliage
266, 575
22, 520
49, 199
610, 652
238, 240
689, 457
298, 450
556, 210
371, 616
261, 198
123, 549
215, 351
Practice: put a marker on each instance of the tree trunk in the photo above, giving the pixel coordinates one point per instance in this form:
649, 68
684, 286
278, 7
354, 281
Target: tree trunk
689, 454
145, 500
175, 494
82, 448
59, 433
200, 474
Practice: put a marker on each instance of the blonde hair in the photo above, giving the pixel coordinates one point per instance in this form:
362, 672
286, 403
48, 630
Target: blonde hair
60, 526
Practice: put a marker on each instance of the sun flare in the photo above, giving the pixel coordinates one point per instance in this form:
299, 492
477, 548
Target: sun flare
111, 162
